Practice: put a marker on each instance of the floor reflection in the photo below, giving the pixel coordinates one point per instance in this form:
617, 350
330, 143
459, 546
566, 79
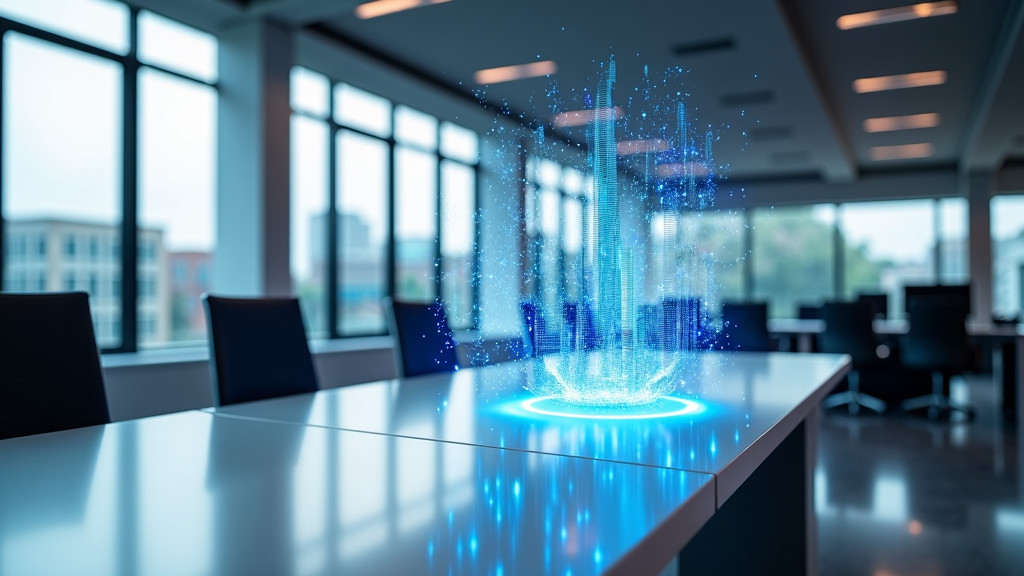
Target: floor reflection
899, 495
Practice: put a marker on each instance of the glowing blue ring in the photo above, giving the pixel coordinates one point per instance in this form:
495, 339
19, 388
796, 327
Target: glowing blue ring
687, 407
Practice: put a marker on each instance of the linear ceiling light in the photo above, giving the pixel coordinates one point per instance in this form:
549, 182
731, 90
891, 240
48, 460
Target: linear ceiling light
627, 147
879, 83
890, 123
921, 150
899, 14
516, 72
384, 7
681, 169
582, 117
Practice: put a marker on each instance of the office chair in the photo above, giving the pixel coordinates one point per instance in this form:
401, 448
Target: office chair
809, 311
937, 343
258, 349
745, 327
682, 326
50, 375
424, 344
537, 339
579, 323
848, 331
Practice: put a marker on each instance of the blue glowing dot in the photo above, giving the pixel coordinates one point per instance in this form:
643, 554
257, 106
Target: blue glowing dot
597, 555
565, 534
515, 488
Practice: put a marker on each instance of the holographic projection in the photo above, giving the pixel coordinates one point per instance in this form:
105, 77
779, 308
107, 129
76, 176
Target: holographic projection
607, 346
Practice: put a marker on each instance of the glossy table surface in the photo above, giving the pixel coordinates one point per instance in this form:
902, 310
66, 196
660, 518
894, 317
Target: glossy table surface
748, 403
197, 493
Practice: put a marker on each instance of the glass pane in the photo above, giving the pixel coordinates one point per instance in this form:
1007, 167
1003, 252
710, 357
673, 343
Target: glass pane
362, 110
177, 184
458, 234
363, 176
310, 142
62, 175
102, 23
177, 47
1007, 256
548, 173
415, 127
572, 243
793, 257
416, 226
459, 143
710, 244
888, 245
954, 254
310, 92
550, 250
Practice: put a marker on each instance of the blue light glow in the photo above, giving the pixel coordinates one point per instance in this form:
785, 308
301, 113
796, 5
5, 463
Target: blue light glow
663, 407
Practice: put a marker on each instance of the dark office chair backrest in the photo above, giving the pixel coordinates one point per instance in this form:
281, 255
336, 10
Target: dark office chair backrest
424, 344
579, 322
808, 311
937, 339
50, 375
848, 331
745, 327
878, 302
258, 349
681, 323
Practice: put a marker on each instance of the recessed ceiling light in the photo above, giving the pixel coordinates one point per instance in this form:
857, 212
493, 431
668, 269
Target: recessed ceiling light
899, 14
627, 147
515, 72
582, 117
748, 98
681, 169
915, 80
920, 150
890, 123
384, 7
770, 133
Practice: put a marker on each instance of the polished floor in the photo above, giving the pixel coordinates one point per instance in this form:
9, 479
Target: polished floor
898, 495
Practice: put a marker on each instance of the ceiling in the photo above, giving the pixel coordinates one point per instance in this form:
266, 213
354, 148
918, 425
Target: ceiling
772, 80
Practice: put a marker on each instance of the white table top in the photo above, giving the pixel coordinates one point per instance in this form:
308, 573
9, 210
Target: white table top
196, 493
751, 402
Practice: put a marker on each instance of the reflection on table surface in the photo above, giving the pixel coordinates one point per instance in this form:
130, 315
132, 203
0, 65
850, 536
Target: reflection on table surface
741, 396
194, 493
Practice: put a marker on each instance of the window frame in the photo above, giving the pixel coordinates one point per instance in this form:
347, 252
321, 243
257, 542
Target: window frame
128, 233
333, 277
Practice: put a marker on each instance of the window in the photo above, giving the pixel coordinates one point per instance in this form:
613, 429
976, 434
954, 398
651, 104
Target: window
793, 256
84, 140
557, 208
63, 107
430, 170
953, 250
1007, 256
714, 242
887, 245
362, 199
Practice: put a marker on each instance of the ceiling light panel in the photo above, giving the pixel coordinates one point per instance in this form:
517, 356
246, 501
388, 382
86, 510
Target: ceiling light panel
891, 123
385, 7
898, 81
515, 72
902, 152
628, 147
899, 14
583, 117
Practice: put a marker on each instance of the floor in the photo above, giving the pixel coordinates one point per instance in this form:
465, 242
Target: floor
901, 495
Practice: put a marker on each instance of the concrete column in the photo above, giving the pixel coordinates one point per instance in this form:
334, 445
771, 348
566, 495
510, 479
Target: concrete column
978, 187
253, 161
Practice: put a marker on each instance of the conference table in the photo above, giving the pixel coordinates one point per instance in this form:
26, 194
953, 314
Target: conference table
1006, 339
456, 473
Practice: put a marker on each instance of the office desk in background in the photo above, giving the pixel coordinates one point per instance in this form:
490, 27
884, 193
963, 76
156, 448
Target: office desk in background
436, 475
1008, 340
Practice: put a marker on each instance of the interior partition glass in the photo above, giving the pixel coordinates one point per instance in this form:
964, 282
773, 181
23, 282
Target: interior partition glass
363, 176
177, 183
61, 119
458, 241
1007, 256
953, 250
887, 245
793, 257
